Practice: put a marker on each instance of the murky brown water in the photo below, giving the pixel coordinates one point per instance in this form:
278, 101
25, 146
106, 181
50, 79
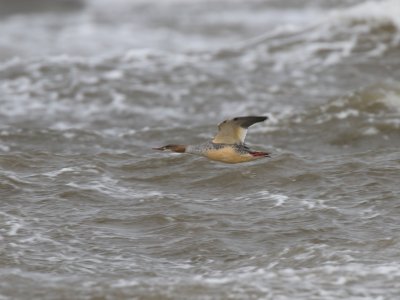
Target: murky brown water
89, 211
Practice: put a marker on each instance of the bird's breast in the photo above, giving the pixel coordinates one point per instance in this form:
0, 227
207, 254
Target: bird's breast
228, 155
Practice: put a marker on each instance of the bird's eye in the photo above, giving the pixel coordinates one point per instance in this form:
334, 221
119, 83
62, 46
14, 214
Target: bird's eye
235, 119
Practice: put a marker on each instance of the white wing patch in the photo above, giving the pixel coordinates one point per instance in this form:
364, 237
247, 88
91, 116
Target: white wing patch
234, 131
230, 133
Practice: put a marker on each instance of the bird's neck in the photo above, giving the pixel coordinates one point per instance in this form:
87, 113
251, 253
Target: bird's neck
179, 148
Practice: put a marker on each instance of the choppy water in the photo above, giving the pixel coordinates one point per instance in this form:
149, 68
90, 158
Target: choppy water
89, 211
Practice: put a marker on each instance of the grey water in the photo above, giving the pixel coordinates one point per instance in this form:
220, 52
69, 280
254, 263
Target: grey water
89, 211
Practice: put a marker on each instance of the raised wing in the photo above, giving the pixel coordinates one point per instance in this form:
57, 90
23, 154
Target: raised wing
234, 131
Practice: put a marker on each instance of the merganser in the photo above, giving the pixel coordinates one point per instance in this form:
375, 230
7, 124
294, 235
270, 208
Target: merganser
228, 145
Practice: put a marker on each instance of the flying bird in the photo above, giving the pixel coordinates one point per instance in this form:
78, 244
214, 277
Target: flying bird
228, 145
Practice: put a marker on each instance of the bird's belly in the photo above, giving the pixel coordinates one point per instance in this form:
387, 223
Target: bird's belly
228, 155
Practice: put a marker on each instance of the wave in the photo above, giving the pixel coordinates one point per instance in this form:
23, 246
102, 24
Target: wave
369, 116
367, 30
375, 105
146, 88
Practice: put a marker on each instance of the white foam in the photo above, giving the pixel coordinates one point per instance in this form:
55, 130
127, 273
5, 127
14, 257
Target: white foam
113, 75
329, 39
14, 228
14, 223
4, 148
125, 283
371, 131
392, 99
377, 11
279, 199
61, 171
110, 186
328, 280
347, 113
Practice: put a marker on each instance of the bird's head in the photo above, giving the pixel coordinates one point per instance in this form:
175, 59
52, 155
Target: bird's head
172, 148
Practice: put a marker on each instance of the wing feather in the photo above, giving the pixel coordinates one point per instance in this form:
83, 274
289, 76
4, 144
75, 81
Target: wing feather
234, 131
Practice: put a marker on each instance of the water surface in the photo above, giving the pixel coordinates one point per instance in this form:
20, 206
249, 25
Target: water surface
89, 211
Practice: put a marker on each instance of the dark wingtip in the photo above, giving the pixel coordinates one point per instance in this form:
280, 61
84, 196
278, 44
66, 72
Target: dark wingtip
247, 121
261, 118
158, 148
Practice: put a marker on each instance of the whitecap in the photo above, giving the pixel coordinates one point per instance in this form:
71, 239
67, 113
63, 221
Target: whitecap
13, 223
370, 131
392, 99
347, 113
374, 11
61, 171
4, 148
14, 228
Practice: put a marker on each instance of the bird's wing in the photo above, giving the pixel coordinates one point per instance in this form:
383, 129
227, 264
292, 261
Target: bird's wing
234, 131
